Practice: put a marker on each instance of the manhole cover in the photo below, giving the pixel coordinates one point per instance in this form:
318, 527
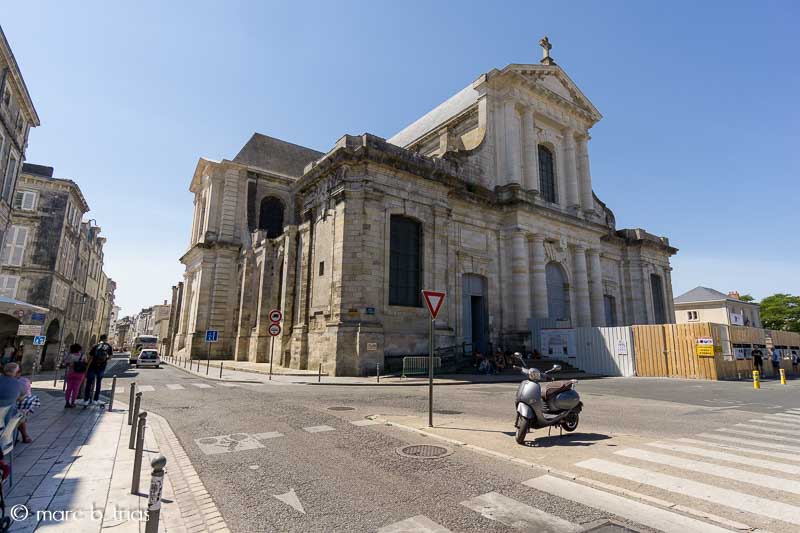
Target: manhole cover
341, 408
448, 412
424, 451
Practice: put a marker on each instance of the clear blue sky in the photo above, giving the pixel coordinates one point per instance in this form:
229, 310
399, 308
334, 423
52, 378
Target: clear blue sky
699, 142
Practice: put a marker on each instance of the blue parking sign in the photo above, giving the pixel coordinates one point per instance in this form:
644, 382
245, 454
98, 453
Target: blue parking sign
211, 335
39, 340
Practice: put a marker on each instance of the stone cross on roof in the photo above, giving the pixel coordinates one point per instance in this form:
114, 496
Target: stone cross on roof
546, 47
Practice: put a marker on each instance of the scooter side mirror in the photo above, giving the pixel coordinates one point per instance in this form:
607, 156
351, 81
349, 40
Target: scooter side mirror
556, 368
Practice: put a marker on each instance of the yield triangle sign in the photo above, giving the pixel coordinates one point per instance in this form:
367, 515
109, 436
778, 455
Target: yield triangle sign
434, 301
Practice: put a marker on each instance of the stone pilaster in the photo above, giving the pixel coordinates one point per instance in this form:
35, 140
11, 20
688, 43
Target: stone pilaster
585, 178
520, 283
596, 288
581, 281
530, 149
569, 168
539, 277
513, 144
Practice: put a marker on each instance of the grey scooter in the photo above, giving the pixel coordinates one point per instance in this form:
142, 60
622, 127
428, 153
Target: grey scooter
539, 405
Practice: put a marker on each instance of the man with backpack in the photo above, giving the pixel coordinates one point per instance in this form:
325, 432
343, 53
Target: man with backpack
98, 359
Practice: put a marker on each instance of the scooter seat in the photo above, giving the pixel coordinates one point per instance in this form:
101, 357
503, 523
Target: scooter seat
554, 387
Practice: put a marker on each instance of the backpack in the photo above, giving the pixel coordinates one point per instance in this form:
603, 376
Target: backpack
99, 353
79, 365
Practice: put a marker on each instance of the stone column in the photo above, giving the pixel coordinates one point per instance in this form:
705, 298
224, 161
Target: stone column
581, 282
585, 178
539, 278
531, 152
519, 279
596, 289
569, 168
670, 303
513, 144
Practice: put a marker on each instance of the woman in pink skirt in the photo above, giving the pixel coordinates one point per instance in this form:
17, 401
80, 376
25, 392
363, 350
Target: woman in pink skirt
76, 372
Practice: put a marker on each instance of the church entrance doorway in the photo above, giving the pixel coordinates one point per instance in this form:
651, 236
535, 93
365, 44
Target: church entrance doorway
557, 292
475, 322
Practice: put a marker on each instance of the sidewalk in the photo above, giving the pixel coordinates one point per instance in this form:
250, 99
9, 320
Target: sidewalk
241, 371
76, 474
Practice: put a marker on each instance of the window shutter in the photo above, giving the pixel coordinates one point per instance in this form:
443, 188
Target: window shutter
8, 286
8, 245
28, 200
18, 250
18, 200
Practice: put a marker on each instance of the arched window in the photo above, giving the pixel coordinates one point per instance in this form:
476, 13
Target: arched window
547, 174
270, 217
405, 261
557, 292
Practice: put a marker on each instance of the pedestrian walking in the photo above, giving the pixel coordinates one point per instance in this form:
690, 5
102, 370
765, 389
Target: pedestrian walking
98, 359
758, 360
76, 365
795, 361
776, 361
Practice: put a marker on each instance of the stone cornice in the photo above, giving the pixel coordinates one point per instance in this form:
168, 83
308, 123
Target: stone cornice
16, 75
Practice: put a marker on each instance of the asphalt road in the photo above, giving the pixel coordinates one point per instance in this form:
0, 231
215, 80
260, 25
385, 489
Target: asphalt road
254, 441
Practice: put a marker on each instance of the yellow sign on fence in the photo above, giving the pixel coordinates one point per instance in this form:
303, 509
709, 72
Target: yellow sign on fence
704, 347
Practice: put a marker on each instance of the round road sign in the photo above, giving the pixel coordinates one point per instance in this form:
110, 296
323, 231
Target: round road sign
274, 329
275, 316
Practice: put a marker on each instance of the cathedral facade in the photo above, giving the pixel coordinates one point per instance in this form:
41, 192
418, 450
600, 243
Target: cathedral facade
488, 197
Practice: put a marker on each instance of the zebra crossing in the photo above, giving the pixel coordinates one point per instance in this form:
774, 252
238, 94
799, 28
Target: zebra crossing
743, 477
188, 386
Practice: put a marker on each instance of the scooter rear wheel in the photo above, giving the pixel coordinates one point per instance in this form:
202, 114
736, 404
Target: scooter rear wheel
570, 422
522, 430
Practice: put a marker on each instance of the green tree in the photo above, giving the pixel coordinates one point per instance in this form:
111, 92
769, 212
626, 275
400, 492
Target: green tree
747, 298
781, 311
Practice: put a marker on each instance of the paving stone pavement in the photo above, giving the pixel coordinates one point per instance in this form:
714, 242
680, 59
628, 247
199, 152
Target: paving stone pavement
76, 474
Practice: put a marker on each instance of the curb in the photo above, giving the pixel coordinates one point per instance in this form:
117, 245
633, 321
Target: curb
209, 377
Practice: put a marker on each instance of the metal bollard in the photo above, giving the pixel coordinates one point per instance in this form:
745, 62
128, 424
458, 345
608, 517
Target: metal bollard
220, 370
208, 364
756, 382
130, 403
154, 501
137, 456
378, 371
319, 376
113, 392
783, 377
137, 404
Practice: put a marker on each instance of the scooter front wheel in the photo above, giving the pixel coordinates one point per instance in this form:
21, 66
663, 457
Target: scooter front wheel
570, 422
522, 430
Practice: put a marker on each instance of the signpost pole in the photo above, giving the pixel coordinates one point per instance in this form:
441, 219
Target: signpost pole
430, 376
271, 345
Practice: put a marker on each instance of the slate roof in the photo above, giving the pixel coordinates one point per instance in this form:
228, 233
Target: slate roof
273, 154
704, 294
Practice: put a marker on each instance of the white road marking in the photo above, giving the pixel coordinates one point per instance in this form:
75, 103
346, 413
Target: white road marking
733, 447
750, 442
290, 498
729, 457
759, 435
518, 515
728, 472
783, 416
774, 422
267, 435
175, 386
775, 430
228, 384
647, 515
202, 385
695, 489
235, 442
145, 388
366, 422
415, 524
318, 429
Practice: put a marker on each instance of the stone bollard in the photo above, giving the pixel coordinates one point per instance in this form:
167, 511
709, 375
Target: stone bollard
756, 382
154, 501
137, 456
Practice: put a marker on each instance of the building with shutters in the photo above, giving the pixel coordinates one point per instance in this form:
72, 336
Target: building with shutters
487, 197
54, 260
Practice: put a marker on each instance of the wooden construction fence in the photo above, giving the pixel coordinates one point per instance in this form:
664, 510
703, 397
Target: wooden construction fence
668, 350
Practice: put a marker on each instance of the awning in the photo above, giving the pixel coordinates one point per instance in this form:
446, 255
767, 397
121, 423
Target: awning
10, 306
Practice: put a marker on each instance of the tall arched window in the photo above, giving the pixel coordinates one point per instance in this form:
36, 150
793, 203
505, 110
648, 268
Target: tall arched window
547, 174
557, 292
270, 217
659, 309
405, 261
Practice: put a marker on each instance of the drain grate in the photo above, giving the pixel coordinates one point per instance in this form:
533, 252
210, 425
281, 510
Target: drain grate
448, 412
424, 451
341, 408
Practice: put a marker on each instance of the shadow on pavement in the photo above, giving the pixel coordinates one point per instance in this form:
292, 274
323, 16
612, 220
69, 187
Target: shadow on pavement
567, 439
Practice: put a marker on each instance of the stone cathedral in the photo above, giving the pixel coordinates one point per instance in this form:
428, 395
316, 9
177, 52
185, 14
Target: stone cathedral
488, 197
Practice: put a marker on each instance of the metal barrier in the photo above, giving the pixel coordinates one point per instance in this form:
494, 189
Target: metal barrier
419, 365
